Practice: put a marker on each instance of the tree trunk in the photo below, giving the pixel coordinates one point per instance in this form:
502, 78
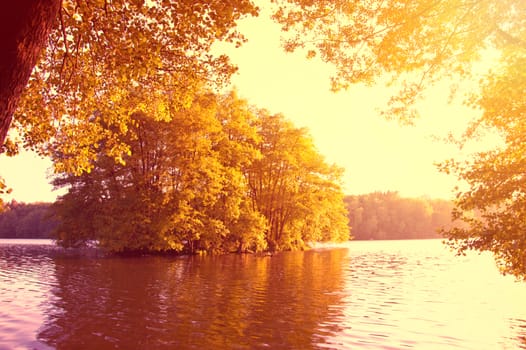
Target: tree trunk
24, 27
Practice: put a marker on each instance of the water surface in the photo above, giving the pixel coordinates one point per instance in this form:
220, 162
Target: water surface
376, 295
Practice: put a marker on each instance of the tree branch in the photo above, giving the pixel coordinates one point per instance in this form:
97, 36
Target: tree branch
510, 38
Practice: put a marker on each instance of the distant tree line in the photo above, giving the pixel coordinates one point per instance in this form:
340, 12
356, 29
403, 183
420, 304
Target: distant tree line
20, 220
386, 215
371, 216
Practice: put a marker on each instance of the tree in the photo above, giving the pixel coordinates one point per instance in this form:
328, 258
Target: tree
180, 188
214, 177
494, 205
237, 150
293, 187
415, 43
25, 26
99, 51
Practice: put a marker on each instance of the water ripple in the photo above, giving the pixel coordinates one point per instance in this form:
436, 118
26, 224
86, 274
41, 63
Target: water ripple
367, 295
401, 296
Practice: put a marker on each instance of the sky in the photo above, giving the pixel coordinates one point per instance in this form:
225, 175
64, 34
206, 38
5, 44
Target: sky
377, 155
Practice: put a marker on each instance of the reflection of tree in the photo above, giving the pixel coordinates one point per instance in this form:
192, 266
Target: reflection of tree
194, 302
100, 303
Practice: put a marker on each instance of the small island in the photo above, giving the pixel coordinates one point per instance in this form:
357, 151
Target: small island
221, 176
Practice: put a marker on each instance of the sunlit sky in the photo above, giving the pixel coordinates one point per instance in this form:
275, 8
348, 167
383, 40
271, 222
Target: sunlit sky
378, 155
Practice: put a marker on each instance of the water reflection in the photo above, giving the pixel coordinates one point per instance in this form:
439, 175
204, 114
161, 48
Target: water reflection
198, 302
26, 277
377, 295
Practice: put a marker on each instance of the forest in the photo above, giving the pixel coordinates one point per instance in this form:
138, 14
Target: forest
21, 220
386, 215
378, 215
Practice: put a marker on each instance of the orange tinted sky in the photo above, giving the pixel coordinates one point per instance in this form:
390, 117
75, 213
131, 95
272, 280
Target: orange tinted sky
378, 155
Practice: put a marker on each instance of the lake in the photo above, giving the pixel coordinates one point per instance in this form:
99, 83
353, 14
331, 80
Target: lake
361, 295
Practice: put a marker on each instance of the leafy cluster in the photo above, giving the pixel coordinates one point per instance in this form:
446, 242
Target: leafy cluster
218, 176
3, 191
495, 204
415, 43
114, 57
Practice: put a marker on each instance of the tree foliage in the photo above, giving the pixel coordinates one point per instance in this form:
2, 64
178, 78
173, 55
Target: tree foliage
293, 187
415, 43
494, 206
3, 191
187, 185
106, 60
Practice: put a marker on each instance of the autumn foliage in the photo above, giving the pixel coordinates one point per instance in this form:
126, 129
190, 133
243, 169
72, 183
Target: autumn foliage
219, 176
494, 206
116, 58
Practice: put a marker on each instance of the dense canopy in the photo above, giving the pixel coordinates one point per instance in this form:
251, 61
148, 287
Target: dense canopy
219, 176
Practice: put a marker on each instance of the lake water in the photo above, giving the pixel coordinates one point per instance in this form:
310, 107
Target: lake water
364, 295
